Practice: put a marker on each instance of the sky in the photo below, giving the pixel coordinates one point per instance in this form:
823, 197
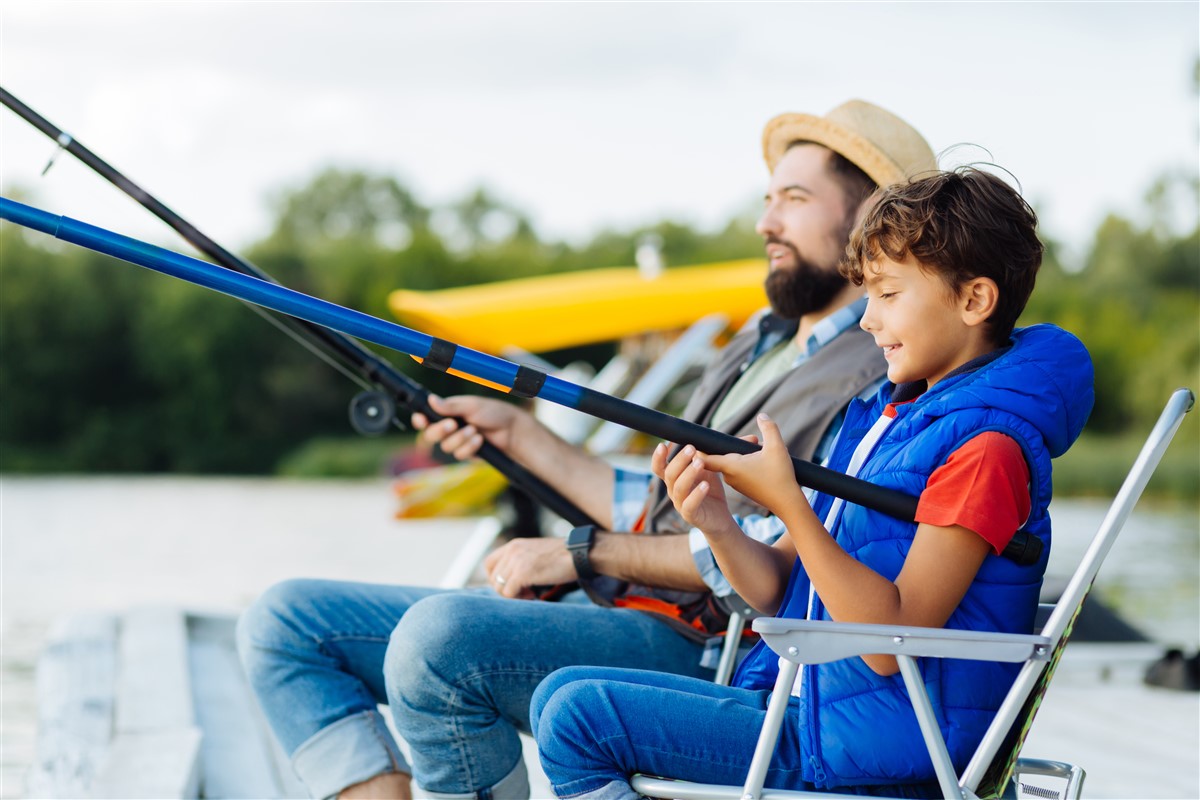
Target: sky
584, 115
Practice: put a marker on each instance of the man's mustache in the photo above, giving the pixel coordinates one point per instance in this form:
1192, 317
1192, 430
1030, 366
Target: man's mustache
772, 239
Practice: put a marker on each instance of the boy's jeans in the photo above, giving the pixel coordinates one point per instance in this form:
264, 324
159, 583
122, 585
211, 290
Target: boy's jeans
595, 727
458, 669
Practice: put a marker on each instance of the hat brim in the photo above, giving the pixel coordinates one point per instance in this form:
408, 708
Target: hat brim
785, 129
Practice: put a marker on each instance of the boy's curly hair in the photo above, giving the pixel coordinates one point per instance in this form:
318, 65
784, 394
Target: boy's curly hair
960, 224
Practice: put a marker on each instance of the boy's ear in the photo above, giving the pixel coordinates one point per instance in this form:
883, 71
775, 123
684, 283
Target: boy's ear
978, 300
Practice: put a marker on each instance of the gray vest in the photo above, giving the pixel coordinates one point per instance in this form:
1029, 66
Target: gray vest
803, 402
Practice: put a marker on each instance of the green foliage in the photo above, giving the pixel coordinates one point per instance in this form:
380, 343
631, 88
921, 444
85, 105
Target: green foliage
53, 376
104, 367
108, 368
1136, 305
339, 206
1096, 465
328, 457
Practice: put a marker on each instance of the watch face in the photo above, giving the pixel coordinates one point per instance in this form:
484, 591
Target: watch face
580, 537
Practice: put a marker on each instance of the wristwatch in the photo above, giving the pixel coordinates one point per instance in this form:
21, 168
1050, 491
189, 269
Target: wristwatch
579, 543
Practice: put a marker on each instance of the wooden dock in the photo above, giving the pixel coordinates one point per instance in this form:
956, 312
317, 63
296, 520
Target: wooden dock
152, 703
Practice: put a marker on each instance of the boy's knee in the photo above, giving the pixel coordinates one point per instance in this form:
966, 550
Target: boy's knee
559, 713
558, 694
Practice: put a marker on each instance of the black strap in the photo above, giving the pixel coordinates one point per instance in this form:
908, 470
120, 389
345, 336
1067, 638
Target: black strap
440, 355
528, 382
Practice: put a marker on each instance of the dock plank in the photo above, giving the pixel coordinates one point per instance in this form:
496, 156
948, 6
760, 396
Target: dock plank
162, 763
155, 750
239, 754
75, 679
153, 683
1133, 740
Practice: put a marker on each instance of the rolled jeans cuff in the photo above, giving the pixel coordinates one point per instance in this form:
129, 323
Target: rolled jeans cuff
347, 752
615, 790
513, 786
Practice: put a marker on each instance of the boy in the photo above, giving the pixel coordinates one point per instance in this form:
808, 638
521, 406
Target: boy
969, 420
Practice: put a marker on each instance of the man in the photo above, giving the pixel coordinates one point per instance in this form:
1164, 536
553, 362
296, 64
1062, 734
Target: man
458, 668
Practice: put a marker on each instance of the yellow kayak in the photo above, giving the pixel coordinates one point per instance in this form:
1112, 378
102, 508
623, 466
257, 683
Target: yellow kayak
575, 308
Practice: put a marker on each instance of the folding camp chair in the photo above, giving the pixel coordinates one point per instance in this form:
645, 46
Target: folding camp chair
995, 769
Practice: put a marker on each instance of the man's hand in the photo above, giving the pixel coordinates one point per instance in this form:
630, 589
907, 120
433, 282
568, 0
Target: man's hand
584, 479
697, 493
485, 418
520, 564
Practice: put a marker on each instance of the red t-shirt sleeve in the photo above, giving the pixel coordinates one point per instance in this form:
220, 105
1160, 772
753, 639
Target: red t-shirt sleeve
983, 486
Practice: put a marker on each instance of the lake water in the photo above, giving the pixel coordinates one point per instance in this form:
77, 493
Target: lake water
82, 543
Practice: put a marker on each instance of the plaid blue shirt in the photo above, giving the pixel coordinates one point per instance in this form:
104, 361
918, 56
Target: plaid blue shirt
631, 487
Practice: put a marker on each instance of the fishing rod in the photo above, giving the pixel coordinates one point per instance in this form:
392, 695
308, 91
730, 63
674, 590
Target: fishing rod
371, 412
446, 356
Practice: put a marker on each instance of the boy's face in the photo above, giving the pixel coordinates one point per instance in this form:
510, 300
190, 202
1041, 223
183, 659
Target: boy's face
924, 329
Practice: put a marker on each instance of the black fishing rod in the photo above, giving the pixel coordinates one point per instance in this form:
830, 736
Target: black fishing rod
473, 365
371, 412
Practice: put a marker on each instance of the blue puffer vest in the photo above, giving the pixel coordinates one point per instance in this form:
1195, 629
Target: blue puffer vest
858, 728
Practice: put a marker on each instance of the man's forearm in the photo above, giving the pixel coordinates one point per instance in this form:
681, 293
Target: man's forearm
662, 561
584, 479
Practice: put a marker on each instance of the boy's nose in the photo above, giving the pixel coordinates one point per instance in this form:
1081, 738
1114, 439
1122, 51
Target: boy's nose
867, 323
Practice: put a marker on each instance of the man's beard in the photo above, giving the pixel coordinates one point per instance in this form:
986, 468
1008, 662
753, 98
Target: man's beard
802, 288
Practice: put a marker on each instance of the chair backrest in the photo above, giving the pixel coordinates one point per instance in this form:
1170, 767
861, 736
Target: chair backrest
992, 767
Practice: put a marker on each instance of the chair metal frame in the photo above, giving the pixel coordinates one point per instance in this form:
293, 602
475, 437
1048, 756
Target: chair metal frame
995, 765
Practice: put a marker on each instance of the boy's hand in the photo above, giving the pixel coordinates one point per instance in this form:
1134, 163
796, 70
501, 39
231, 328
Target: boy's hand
767, 476
697, 493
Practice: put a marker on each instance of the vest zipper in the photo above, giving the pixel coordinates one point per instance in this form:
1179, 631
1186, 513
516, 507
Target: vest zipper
816, 759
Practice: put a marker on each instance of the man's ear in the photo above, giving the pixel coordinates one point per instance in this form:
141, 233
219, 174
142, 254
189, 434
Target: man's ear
978, 300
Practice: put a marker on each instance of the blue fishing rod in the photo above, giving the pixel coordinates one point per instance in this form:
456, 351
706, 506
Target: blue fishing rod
389, 392
446, 356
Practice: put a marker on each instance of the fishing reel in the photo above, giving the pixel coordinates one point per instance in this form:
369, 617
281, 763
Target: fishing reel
371, 413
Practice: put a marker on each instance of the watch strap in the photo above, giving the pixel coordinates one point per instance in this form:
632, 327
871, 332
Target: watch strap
579, 544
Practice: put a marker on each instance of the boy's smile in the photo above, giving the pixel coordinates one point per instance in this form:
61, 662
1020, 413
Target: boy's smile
923, 327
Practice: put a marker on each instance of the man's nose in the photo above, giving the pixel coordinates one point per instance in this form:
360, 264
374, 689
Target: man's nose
768, 223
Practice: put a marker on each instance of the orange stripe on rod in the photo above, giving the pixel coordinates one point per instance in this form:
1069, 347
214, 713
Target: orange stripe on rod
472, 378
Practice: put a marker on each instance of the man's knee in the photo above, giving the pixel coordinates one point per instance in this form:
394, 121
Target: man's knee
269, 624
431, 642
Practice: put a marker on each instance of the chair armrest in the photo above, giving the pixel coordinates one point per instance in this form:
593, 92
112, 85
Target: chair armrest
818, 642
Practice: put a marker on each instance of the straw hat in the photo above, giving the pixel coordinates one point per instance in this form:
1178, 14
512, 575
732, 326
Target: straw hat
878, 142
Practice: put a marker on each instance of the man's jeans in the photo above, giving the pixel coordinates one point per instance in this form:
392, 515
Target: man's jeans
458, 669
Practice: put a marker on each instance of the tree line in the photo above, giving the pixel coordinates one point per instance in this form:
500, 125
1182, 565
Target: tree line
104, 368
